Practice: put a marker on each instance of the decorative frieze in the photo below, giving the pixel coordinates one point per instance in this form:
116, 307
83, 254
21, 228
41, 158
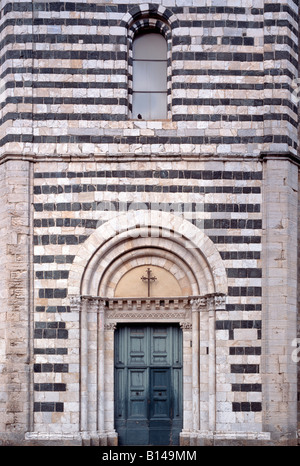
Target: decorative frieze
147, 304
134, 307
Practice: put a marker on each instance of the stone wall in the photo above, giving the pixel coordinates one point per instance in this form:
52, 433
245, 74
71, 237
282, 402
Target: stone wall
225, 161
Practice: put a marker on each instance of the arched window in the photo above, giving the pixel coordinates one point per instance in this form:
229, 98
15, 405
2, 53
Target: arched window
149, 77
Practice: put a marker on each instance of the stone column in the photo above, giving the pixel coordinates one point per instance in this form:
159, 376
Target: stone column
93, 306
215, 303
84, 368
279, 371
187, 394
211, 364
101, 367
88, 368
196, 303
111, 437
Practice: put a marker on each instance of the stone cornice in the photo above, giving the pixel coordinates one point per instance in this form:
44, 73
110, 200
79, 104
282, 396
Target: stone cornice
294, 158
128, 157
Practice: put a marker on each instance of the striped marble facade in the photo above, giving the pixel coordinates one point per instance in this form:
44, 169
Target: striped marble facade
225, 161
66, 70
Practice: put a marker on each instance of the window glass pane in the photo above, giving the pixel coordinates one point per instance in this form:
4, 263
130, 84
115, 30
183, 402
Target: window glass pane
150, 106
149, 76
150, 47
158, 106
141, 106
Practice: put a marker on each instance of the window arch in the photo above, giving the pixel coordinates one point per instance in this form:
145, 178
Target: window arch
142, 29
149, 76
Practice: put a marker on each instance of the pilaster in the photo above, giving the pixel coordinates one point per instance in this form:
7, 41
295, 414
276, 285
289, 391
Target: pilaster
15, 298
280, 190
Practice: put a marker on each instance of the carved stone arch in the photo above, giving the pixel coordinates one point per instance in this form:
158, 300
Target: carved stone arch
125, 248
160, 231
150, 255
149, 10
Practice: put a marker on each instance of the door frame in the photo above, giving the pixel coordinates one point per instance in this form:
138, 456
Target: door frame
98, 318
149, 311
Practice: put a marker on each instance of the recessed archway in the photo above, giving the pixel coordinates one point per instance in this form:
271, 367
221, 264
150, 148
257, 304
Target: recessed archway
188, 258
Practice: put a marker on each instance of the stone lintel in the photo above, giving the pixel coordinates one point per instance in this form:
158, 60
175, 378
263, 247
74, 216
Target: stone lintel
153, 303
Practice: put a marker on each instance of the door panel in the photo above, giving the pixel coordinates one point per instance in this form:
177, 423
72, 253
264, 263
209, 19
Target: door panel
160, 394
137, 343
148, 384
137, 400
177, 393
160, 340
160, 422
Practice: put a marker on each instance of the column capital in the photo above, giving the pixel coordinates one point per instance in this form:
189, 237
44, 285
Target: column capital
185, 326
198, 303
75, 303
110, 326
208, 302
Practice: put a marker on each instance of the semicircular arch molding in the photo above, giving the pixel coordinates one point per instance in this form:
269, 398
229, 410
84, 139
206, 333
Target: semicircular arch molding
128, 237
148, 11
150, 253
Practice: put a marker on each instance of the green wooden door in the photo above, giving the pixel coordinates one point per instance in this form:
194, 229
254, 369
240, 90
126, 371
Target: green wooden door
148, 384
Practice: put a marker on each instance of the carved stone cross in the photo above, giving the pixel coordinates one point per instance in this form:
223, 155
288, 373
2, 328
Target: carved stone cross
148, 279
